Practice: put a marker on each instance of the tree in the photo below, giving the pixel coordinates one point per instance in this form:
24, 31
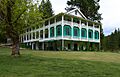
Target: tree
112, 42
15, 16
46, 9
88, 7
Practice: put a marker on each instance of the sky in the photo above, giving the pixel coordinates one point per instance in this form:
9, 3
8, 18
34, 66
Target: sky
110, 13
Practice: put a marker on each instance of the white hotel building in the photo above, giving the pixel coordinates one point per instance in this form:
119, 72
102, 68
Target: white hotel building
65, 31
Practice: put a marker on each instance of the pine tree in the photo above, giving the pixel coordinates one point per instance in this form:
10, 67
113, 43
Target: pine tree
88, 7
46, 9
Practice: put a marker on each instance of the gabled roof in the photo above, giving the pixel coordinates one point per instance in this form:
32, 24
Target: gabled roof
76, 12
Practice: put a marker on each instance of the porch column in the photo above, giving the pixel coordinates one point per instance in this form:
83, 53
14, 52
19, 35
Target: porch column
37, 46
93, 32
32, 46
43, 32
55, 28
31, 35
99, 38
72, 28
87, 31
49, 29
43, 46
62, 45
62, 32
80, 28
49, 32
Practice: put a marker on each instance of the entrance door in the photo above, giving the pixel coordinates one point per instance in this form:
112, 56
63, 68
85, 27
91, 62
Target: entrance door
75, 47
69, 47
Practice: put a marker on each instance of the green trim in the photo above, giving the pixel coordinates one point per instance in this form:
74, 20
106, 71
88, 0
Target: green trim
58, 29
52, 32
83, 33
67, 27
91, 32
78, 32
96, 35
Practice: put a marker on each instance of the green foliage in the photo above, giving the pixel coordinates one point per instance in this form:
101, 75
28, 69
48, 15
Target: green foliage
46, 9
88, 7
112, 42
16, 15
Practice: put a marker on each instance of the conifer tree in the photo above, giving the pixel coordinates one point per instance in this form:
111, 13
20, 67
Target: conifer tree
46, 9
88, 7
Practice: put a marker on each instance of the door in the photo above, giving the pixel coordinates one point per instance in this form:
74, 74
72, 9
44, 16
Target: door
75, 47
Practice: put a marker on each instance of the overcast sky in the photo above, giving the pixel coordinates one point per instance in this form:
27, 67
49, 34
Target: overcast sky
110, 10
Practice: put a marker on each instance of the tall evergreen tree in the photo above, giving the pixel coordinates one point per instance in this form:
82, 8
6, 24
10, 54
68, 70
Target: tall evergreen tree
88, 7
46, 9
112, 42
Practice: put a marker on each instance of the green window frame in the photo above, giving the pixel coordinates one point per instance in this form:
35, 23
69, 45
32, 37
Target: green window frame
52, 32
58, 30
96, 35
83, 33
76, 31
67, 30
90, 33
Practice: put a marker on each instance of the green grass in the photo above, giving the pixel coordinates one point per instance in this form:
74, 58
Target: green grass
59, 64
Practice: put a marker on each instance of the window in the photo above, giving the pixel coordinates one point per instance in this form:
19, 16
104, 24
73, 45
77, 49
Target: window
96, 35
76, 31
46, 33
52, 32
24, 37
83, 32
37, 34
75, 12
41, 34
33, 35
59, 30
67, 30
90, 33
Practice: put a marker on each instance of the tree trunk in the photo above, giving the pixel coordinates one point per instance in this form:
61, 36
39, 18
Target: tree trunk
15, 48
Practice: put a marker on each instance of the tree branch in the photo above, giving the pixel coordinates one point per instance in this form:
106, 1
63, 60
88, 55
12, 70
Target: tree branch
19, 15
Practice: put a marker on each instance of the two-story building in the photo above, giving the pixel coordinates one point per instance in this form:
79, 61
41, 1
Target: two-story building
64, 31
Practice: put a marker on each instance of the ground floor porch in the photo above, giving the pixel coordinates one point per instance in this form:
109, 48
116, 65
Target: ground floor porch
63, 45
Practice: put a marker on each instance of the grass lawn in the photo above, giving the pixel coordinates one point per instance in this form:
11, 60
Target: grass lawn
59, 64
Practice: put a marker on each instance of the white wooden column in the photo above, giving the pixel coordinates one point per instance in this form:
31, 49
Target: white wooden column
49, 29
43, 36
32, 46
93, 32
31, 35
72, 28
26, 36
80, 28
87, 30
39, 34
99, 38
43, 32
48, 32
62, 32
55, 28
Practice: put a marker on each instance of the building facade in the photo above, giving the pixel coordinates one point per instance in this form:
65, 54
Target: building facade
65, 31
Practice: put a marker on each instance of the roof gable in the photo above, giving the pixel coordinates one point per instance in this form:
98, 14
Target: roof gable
76, 12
